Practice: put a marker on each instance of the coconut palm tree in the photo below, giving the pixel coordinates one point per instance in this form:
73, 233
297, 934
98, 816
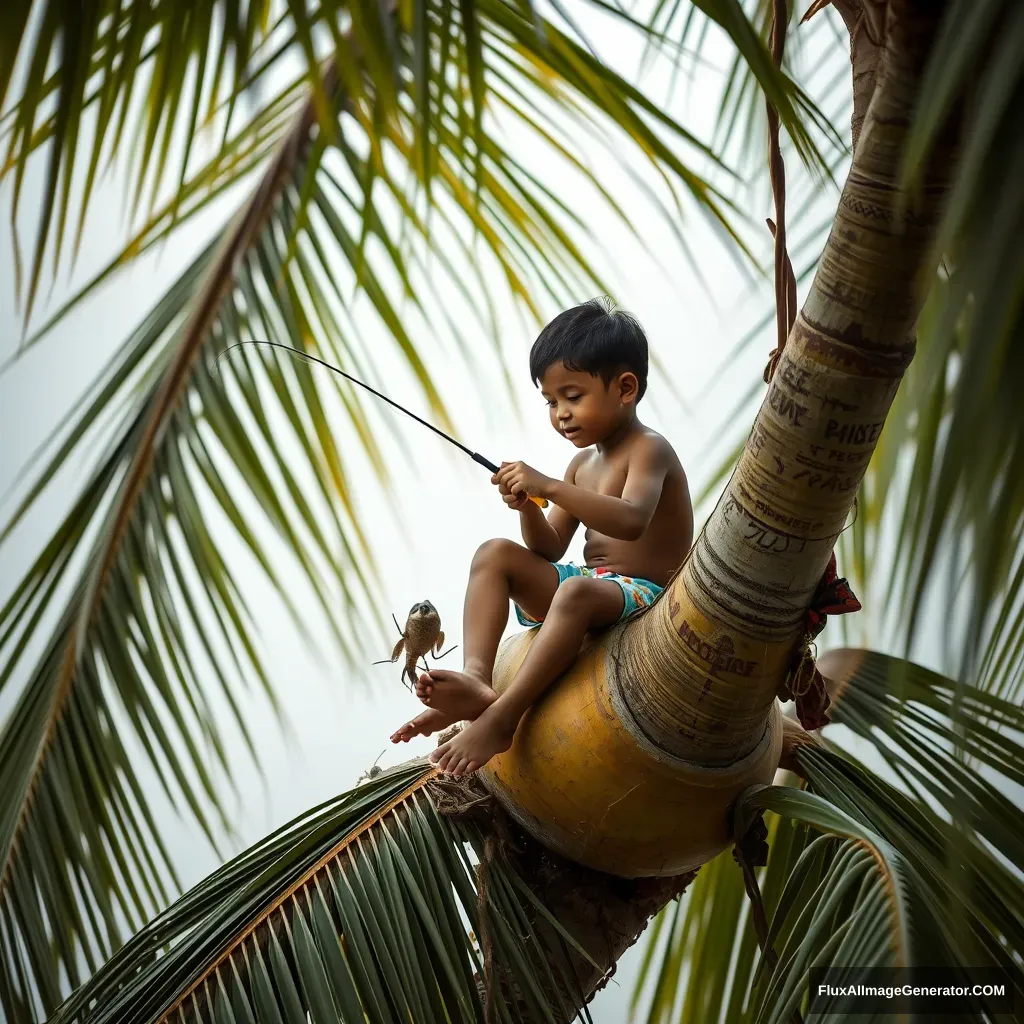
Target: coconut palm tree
411, 898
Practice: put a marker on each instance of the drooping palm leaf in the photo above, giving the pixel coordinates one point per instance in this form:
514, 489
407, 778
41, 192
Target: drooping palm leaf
193, 59
740, 121
944, 837
371, 907
944, 741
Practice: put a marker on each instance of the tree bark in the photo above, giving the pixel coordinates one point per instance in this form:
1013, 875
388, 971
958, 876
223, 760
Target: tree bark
700, 672
865, 21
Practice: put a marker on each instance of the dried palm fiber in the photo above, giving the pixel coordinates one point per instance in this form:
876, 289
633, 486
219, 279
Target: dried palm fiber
629, 763
605, 914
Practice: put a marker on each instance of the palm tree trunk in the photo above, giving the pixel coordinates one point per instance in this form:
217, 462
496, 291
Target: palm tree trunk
750, 578
630, 763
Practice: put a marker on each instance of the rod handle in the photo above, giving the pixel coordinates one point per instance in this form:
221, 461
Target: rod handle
487, 464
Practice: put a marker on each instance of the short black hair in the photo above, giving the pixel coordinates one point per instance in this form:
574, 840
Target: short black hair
594, 337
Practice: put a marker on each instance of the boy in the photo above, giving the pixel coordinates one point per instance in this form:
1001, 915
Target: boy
627, 488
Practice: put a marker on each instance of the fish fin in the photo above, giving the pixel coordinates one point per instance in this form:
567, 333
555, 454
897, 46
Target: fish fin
398, 649
439, 643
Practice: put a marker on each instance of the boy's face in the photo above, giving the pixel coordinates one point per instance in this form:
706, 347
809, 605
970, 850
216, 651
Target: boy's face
581, 407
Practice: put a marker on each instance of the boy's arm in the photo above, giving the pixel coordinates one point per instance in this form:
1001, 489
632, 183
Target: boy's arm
624, 518
547, 535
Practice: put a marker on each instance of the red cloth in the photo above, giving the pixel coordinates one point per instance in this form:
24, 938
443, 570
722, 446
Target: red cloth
805, 684
833, 597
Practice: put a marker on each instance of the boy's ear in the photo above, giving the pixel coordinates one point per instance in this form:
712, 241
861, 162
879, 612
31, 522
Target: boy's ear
629, 386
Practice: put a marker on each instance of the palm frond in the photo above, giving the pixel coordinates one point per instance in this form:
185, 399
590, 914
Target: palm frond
949, 745
915, 872
371, 907
702, 953
164, 74
843, 903
153, 615
752, 78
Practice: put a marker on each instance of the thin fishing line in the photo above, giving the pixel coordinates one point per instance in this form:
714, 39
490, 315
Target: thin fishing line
330, 366
479, 459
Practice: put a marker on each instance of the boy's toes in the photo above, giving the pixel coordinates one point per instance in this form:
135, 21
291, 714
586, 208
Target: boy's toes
436, 755
404, 733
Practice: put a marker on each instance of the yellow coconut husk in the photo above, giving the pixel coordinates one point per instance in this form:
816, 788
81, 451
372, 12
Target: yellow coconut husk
584, 778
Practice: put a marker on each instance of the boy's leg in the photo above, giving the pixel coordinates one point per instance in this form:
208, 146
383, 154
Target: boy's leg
501, 570
579, 605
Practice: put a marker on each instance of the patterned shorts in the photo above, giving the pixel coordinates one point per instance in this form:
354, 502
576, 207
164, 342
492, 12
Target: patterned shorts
637, 593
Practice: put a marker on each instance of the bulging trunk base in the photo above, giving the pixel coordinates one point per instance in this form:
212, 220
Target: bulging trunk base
584, 779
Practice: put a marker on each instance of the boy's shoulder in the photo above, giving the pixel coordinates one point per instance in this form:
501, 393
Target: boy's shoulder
645, 445
649, 443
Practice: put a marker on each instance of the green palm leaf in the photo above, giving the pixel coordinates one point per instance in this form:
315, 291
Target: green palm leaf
859, 868
191, 61
371, 907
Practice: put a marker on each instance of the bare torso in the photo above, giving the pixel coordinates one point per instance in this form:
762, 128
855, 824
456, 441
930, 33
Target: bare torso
664, 544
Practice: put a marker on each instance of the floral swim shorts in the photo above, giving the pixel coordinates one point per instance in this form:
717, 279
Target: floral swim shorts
638, 593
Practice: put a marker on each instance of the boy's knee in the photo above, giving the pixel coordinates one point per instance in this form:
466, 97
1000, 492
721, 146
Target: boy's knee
496, 553
575, 594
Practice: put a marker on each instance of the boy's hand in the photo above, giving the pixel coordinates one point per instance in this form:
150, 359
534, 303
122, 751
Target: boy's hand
516, 502
521, 482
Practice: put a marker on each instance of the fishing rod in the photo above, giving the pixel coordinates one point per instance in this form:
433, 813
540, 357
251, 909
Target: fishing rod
475, 456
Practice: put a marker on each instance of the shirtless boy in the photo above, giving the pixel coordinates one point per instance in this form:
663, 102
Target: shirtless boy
627, 488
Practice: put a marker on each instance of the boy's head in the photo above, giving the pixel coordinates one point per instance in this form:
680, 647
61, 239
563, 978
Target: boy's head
590, 363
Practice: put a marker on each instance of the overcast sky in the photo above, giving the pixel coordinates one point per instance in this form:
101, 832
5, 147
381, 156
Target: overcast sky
447, 507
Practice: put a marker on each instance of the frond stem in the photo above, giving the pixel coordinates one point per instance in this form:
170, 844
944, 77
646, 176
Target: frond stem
241, 235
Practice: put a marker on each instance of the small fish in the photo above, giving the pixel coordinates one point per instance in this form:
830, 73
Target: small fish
422, 634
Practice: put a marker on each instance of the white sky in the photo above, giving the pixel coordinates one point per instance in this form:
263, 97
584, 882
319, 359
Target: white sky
341, 723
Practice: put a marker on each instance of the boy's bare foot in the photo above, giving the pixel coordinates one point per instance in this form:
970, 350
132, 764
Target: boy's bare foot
472, 748
422, 725
460, 695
